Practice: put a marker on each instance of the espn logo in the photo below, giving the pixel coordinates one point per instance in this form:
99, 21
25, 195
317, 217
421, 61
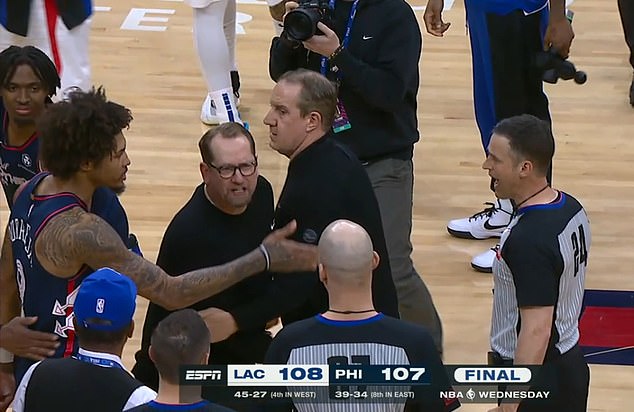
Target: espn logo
202, 375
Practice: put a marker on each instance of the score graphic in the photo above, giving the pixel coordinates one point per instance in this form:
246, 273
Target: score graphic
305, 375
378, 375
493, 375
277, 375
363, 383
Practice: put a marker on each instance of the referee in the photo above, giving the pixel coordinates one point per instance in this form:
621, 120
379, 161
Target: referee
352, 331
540, 270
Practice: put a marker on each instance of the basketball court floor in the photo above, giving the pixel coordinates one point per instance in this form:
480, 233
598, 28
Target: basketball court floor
142, 52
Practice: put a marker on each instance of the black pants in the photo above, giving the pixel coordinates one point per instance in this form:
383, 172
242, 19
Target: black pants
566, 377
626, 9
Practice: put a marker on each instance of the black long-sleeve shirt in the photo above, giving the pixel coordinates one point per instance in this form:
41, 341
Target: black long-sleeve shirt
201, 235
379, 76
325, 182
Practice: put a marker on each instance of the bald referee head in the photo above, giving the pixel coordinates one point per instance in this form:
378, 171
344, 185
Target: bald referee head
346, 262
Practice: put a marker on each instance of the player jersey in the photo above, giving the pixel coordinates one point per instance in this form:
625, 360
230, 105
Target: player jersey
378, 340
48, 297
541, 262
17, 163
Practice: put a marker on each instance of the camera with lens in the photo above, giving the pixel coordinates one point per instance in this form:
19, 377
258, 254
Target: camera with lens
301, 23
555, 67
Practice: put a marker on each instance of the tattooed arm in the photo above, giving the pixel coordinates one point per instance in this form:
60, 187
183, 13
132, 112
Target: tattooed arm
75, 237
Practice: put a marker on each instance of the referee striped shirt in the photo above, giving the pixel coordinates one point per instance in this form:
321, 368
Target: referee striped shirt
378, 340
541, 261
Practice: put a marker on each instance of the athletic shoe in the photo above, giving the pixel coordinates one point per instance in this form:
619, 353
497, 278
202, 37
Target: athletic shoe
484, 261
488, 223
219, 107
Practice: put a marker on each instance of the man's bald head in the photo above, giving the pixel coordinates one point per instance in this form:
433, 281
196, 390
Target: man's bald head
345, 251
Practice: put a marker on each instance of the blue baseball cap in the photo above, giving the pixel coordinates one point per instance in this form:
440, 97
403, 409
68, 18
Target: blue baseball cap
106, 301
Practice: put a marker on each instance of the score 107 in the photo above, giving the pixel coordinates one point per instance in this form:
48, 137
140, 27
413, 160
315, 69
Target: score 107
378, 375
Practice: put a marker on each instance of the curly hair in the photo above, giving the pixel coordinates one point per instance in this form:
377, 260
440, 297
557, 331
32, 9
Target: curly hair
13, 56
80, 129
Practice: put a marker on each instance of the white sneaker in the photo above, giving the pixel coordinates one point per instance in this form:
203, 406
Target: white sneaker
484, 261
220, 107
490, 222
208, 112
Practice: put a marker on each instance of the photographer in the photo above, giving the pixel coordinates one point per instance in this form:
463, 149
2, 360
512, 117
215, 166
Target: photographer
372, 49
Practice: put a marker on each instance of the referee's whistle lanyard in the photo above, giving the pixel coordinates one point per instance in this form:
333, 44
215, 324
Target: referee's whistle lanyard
346, 36
98, 361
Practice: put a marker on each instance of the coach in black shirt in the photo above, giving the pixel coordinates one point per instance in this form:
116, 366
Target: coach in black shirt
325, 182
228, 215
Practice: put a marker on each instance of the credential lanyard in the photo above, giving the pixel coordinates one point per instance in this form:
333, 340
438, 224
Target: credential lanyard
98, 361
346, 36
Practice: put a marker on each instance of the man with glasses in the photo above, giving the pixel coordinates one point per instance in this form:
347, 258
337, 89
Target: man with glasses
228, 215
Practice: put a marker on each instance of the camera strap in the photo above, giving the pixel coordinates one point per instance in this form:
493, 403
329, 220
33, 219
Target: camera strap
346, 36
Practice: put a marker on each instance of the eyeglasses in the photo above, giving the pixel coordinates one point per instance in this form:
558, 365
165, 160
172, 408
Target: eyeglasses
227, 171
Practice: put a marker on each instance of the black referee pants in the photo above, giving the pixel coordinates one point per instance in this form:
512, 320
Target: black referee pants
567, 377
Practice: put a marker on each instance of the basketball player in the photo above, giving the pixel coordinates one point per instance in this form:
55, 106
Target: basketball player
29, 80
539, 272
626, 10
180, 339
215, 41
60, 28
52, 239
352, 331
104, 321
505, 37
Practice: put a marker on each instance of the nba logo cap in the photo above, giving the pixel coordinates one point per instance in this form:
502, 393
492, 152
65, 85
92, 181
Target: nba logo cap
106, 301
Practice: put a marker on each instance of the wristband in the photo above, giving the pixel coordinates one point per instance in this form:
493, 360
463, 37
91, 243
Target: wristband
5, 356
267, 257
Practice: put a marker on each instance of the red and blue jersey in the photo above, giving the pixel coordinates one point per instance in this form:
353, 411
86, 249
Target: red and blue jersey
42, 294
18, 164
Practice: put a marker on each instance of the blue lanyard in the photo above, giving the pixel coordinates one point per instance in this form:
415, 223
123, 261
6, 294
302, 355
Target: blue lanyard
98, 361
346, 36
